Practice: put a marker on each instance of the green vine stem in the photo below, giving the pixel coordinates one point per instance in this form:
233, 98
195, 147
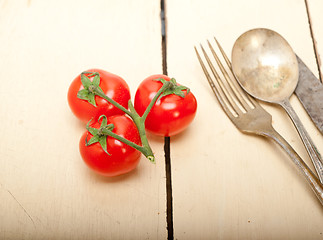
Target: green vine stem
99, 135
92, 88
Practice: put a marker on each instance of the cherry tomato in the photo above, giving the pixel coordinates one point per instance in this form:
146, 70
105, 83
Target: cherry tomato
112, 85
171, 114
122, 158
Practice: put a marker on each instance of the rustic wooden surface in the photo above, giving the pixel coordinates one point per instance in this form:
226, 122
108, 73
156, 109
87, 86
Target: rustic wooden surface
46, 191
315, 17
225, 185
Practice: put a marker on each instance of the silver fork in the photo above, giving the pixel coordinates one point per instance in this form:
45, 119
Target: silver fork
246, 114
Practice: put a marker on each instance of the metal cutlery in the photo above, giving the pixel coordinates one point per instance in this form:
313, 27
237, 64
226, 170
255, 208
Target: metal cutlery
266, 67
309, 91
246, 114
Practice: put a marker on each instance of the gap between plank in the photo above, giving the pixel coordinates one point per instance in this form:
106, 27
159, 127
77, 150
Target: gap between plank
169, 193
317, 55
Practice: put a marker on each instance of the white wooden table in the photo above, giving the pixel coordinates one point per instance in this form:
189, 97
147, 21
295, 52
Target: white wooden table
225, 185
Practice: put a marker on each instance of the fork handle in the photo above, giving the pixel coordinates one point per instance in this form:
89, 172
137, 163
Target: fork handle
313, 181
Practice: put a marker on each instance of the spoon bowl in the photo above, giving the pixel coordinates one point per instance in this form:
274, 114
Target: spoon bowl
266, 67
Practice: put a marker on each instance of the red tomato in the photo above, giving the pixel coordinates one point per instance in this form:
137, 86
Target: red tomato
122, 158
112, 85
171, 114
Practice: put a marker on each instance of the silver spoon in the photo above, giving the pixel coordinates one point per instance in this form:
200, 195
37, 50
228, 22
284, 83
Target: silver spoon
266, 67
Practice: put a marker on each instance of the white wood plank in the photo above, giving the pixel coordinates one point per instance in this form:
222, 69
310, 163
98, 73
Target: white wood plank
45, 189
315, 12
227, 185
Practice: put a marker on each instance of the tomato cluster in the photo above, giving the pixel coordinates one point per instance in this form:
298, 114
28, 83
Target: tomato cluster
115, 136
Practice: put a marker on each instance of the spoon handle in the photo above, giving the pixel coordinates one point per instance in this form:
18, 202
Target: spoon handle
313, 181
309, 145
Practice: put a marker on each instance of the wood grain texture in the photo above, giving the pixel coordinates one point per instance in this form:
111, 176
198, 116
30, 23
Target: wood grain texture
315, 12
46, 190
227, 185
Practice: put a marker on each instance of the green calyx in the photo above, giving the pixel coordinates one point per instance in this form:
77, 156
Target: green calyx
99, 134
173, 88
90, 87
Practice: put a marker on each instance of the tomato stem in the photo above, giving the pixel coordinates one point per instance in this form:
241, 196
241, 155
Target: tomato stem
116, 104
153, 101
131, 144
93, 88
145, 149
139, 121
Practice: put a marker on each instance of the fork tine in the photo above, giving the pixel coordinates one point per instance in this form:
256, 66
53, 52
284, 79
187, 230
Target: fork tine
232, 84
214, 89
223, 54
223, 88
235, 83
